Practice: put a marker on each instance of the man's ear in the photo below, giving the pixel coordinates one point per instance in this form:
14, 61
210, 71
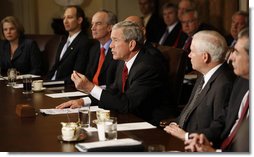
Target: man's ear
132, 45
206, 57
80, 20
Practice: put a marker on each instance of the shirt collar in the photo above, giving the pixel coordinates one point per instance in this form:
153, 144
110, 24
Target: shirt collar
106, 46
73, 37
130, 62
209, 74
171, 27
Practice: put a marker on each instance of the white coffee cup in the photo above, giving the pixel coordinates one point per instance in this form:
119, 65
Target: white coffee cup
37, 84
70, 131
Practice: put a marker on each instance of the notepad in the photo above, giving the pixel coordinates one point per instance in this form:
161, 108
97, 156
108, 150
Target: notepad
84, 147
66, 94
53, 111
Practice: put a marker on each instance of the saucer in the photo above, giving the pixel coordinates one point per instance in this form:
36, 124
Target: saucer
38, 90
81, 137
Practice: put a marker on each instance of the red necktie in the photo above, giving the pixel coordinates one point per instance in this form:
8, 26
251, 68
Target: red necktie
229, 139
187, 44
124, 76
101, 60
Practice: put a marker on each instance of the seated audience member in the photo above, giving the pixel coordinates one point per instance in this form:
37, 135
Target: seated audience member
101, 67
184, 5
139, 77
190, 25
239, 21
172, 35
152, 20
72, 53
205, 110
235, 134
17, 51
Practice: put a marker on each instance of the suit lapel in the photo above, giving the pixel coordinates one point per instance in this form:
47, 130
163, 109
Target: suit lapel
207, 87
19, 50
107, 61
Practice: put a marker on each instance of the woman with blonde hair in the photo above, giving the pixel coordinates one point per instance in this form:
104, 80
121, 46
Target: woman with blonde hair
16, 51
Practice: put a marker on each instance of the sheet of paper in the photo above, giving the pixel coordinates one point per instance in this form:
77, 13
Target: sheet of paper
134, 126
54, 111
128, 126
20, 76
83, 147
66, 94
18, 86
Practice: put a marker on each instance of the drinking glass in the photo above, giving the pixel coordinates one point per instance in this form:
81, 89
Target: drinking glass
111, 128
27, 84
84, 117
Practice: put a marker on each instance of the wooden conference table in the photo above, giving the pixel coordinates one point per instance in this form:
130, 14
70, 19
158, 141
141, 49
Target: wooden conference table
39, 134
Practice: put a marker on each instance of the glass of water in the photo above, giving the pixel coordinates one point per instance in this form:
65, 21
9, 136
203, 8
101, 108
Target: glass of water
110, 128
84, 117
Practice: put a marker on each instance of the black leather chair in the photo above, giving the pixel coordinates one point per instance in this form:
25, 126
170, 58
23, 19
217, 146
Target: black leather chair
48, 45
176, 59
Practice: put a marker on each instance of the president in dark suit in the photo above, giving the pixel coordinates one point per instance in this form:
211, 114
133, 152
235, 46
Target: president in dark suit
72, 53
141, 82
205, 110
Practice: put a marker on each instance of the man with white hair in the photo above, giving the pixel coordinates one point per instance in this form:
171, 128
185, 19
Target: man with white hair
236, 132
205, 110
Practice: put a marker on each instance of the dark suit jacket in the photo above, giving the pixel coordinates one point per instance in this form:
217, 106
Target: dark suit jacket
229, 40
27, 58
207, 115
108, 70
241, 143
176, 38
146, 92
155, 26
240, 88
75, 58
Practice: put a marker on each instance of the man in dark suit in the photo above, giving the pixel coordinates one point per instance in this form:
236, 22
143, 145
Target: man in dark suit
237, 118
102, 23
173, 35
205, 110
72, 53
140, 86
239, 21
152, 20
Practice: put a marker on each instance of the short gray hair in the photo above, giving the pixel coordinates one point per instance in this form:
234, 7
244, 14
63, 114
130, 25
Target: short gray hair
244, 33
112, 18
131, 31
211, 42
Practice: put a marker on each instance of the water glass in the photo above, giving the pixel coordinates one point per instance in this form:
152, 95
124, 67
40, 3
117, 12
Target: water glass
27, 84
111, 128
84, 117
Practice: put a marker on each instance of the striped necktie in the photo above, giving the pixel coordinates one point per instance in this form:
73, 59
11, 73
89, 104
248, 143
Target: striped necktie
187, 110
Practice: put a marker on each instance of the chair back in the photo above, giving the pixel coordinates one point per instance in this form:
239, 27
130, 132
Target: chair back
48, 45
176, 59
